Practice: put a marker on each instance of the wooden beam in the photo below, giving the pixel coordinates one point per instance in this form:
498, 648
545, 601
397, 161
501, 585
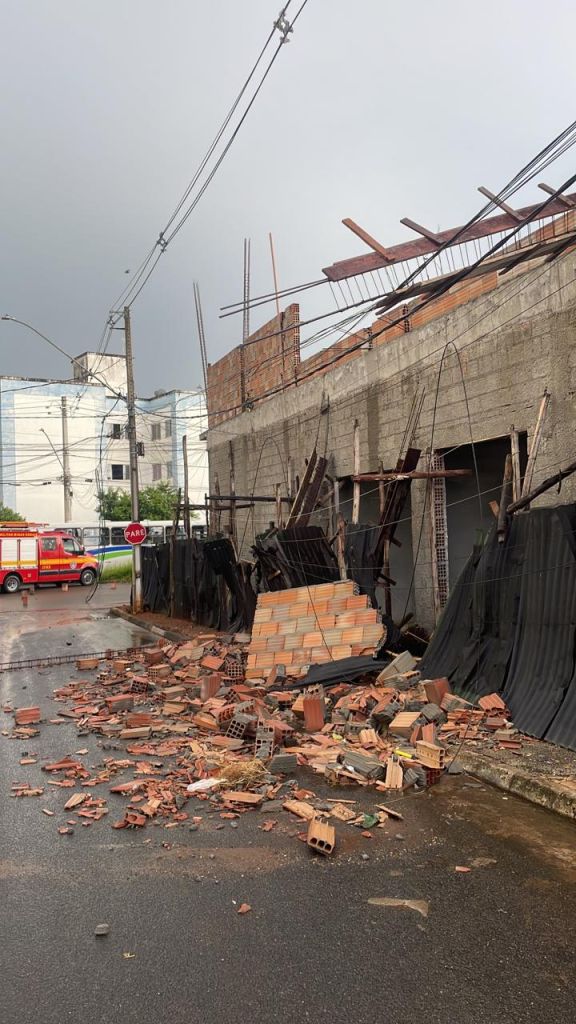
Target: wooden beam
381, 491
567, 202
340, 546
502, 527
515, 452
533, 455
357, 230
433, 474
270, 499
355, 478
430, 236
279, 522
299, 499
525, 500
498, 202
452, 236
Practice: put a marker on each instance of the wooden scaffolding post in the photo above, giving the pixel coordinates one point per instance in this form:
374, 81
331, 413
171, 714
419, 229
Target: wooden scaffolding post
381, 490
340, 532
357, 484
502, 528
515, 451
528, 476
232, 494
279, 522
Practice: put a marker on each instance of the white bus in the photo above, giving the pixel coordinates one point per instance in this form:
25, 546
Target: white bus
106, 541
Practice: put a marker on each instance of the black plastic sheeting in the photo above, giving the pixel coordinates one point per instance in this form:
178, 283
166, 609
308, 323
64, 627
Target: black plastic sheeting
296, 557
359, 557
209, 586
510, 625
342, 670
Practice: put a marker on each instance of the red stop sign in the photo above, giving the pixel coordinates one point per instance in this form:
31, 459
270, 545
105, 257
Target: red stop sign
135, 533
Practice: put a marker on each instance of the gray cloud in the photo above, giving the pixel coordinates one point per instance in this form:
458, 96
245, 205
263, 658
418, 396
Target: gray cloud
374, 111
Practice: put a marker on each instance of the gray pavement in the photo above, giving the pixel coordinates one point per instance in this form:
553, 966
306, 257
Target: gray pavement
497, 944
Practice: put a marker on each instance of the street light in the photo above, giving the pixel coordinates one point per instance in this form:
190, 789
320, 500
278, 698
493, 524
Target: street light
90, 373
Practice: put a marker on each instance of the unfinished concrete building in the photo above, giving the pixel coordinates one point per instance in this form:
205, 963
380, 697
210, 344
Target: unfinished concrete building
460, 365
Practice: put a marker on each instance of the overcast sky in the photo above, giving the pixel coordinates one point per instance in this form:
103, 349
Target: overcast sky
375, 110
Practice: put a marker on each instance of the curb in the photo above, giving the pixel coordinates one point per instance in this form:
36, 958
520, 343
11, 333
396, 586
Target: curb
552, 795
167, 634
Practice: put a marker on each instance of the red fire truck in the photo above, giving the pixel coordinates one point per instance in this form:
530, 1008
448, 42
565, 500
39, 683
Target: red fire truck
31, 555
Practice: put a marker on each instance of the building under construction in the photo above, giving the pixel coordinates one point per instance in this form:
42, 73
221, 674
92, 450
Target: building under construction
395, 439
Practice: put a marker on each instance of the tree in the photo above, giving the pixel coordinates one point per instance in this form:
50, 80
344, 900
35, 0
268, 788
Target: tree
156, 502
114, 504
8, 515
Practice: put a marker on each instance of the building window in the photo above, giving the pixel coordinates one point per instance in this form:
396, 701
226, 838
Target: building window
120, 472
156, 471
169, 470
156, 431
116, 432
168, 428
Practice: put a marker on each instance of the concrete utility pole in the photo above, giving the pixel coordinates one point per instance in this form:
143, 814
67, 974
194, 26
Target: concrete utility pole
66, 464
134, 496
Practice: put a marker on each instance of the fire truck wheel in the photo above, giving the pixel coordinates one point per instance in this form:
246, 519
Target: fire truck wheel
12, 584
87, 577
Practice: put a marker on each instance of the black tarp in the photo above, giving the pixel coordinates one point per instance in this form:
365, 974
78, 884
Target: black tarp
510, 625
359, 557
210, 587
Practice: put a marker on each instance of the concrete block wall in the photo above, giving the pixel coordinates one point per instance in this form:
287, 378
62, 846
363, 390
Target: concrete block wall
512, 341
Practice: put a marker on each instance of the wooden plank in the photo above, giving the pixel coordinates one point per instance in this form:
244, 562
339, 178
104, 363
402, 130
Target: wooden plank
502, 528
433, 474
361, 233
299, 499
356, 494
381, 489
421, 246
515, 450
526, 486
233, 796
544, 486
311, 497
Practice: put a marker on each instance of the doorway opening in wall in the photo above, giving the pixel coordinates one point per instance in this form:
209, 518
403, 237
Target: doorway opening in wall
400, 555
465, 515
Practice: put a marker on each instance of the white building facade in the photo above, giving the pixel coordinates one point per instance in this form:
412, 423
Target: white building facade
47, 426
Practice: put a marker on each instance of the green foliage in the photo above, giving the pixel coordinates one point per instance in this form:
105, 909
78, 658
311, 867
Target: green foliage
8, 515
156, 502
114, 504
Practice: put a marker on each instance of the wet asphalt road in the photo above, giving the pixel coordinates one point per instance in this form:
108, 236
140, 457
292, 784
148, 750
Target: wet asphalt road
497, 944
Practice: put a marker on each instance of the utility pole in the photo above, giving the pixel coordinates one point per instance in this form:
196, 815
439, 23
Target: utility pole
131, 409
66, 464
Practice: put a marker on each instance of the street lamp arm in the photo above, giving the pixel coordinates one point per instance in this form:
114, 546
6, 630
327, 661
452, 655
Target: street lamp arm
23, 323
42, 431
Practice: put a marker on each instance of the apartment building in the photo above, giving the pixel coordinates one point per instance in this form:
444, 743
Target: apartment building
53, 429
